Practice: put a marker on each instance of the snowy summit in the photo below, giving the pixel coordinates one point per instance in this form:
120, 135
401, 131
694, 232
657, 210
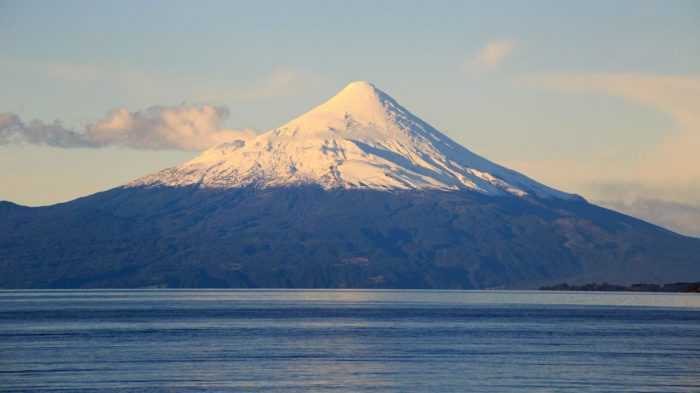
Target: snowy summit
361, 138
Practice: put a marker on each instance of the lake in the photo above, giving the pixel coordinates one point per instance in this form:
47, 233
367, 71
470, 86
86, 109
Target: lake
348, 341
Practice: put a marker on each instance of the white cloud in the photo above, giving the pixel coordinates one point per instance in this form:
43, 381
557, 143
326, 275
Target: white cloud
490, 57
183, 127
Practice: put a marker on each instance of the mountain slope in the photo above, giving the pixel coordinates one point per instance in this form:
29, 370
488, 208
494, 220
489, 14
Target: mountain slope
356, 193
361, 138
311, 237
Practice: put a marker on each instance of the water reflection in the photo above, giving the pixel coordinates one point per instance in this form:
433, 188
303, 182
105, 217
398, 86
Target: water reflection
360, 296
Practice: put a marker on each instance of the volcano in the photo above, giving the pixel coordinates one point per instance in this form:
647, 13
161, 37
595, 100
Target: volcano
357, 193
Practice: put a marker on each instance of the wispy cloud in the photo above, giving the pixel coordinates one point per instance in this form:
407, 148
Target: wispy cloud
661, 185
669, 203
677, 96
70, 72
282, 82
183, 127
680, 217
628, 191
279, 82
490, 57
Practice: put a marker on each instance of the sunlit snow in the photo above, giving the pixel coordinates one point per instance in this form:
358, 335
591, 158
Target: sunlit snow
361, 138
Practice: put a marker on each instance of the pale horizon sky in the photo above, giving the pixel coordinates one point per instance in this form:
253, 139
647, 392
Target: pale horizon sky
598, 98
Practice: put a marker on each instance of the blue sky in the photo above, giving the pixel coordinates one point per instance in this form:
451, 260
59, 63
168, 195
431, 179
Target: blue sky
595, 97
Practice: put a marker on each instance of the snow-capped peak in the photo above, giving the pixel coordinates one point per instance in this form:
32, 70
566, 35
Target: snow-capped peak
360, 138
359, 100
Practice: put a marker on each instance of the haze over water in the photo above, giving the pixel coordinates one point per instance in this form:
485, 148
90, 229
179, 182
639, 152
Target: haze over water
348, 341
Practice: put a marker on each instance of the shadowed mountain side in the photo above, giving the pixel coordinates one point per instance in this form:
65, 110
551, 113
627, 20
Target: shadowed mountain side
310, 237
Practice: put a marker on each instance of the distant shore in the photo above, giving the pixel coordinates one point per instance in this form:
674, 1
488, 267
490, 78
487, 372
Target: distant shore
685, 287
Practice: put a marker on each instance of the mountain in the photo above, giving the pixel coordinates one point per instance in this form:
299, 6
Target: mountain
359, 139
357, 192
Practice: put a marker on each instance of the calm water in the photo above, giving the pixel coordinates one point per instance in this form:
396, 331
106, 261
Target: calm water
348, 341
